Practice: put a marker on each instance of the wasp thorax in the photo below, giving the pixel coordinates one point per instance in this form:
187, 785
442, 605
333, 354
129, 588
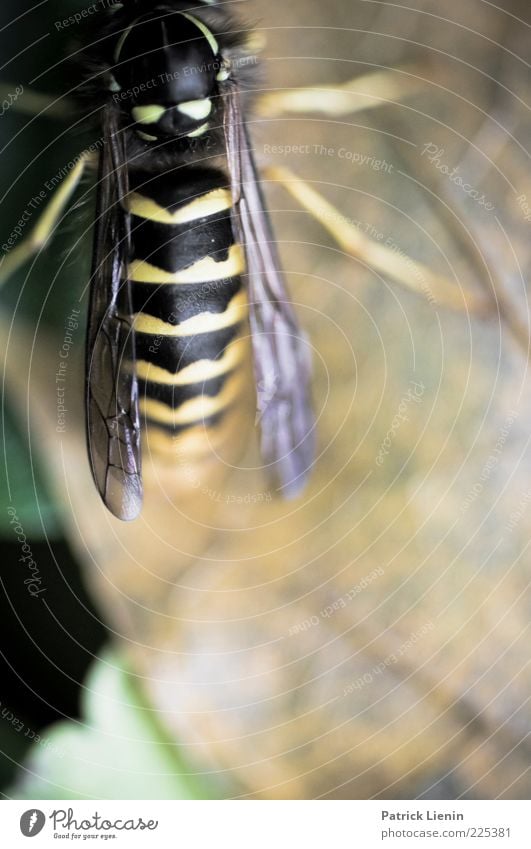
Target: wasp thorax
167, 66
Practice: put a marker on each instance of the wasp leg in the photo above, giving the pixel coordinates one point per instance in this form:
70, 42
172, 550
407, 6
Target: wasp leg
479, 243
46, 224
409, 273
368, 91
31, 102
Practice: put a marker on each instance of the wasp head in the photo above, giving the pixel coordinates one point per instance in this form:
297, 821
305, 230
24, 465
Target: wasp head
168, 65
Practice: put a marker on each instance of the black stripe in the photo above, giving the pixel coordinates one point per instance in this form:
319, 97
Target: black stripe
174, 396
176, 430
177, 246
175, 189
176, 303
175, 354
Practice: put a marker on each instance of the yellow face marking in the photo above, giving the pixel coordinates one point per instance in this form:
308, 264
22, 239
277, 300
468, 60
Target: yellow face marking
223, 75
212, 203
199, 132
198, 372
207, 270
206, 32
148, 114
112, 83
196, 109
146, 136
121, 41
202, 407
205, 322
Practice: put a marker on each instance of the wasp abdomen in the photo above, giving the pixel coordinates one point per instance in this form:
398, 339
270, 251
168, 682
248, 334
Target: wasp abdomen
189, 303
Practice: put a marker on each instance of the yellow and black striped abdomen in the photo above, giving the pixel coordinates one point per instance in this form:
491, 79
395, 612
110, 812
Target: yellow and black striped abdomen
189, 307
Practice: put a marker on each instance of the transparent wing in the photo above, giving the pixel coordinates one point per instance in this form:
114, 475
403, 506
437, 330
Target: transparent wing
113, 427
281, 352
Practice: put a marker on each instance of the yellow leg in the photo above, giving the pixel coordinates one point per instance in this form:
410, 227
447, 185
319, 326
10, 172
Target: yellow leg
46, 224
367, 91
389, 262
31, 102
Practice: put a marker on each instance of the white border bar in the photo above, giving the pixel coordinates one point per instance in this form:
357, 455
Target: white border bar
271, 825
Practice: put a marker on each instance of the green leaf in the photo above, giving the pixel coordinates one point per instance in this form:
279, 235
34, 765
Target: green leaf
117, 751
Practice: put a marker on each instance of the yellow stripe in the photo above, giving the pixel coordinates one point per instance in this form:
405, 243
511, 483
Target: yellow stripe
198, 372
218, 200
196, 444
194, 410
205, 271
204, 322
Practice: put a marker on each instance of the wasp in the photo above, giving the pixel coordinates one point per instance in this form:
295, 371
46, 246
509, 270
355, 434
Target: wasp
185, 266
184, 258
